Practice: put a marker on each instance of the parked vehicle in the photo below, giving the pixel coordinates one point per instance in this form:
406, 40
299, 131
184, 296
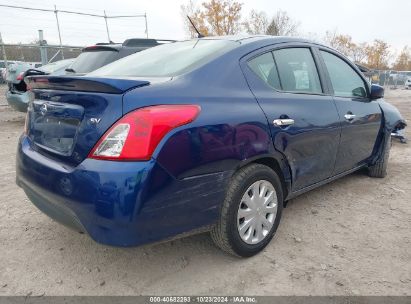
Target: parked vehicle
90, 59
408, 83
3, 69
397, 77
96, 56
56, 68
34, 65
17, 95
212, 134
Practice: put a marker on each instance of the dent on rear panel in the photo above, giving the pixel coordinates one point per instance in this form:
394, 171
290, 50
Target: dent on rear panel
212, 148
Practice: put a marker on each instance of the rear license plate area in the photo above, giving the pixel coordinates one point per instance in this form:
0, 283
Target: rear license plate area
54, 126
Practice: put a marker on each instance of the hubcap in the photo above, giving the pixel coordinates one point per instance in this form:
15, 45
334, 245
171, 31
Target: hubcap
257, 212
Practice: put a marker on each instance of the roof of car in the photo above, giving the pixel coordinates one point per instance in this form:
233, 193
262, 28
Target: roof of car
253, 38
258, 41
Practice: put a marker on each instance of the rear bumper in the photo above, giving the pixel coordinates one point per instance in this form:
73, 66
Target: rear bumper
119, 203
18, 101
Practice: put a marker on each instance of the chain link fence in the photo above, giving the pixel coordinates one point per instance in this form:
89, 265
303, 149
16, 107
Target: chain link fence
32, 52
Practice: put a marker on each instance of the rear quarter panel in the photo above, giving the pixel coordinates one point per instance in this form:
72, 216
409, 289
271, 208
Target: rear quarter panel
230, 130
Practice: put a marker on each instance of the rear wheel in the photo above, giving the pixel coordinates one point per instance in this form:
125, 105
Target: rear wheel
251, 211
379, 169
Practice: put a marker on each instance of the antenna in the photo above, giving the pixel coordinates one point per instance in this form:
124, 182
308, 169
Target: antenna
199, 35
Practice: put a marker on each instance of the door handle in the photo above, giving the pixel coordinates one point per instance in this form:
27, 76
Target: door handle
349, 116
283, 122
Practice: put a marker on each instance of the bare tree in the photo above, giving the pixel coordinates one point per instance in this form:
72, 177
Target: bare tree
257, 23
282, 25
359, 52
329, 37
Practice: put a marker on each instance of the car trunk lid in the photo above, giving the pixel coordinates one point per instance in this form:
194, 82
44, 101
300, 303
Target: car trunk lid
68, 115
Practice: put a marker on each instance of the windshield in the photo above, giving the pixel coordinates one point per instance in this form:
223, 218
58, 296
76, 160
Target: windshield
167, 60
90, 61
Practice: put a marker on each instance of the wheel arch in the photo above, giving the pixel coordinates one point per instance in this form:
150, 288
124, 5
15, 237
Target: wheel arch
278, 165
391, 117
391, 121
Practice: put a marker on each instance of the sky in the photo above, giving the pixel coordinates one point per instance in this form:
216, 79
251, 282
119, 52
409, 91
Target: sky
364, 20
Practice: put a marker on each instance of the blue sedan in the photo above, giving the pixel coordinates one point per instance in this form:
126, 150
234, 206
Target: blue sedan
212, 134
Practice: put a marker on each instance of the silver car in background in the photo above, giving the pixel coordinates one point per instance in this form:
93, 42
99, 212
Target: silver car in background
17, 94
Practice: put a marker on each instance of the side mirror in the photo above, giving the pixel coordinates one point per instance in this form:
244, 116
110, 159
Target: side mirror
376, 92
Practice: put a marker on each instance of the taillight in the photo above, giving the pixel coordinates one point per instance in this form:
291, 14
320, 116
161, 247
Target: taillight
136, 135
20, 76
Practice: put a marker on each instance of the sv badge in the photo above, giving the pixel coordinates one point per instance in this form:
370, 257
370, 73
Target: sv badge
94, 120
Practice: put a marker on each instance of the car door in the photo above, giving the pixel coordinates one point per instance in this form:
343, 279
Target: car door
360, 117
303, 120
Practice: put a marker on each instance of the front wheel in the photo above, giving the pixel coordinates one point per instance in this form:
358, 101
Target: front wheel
251, 211
379, 169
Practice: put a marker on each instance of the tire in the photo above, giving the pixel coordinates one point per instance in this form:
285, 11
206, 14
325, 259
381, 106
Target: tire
379, 169
226, 233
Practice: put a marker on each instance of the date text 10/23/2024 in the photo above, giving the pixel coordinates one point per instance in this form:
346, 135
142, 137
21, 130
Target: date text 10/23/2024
203, 299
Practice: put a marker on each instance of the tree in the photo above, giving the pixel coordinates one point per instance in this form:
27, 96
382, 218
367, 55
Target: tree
282, 25
342, 43
257, 23
215, 17
403, 61
359, 52
378, 55
194, 12
345, 45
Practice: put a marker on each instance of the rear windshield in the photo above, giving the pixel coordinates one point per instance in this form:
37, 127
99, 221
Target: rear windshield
90, 61
167, 60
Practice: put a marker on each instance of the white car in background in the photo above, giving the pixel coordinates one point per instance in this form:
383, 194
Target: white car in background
408, 83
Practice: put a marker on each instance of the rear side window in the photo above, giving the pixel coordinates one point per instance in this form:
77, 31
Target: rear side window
290, 70
345, 81
264, 67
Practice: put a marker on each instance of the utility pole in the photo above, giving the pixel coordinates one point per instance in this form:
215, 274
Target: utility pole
108, 33
58, 29
43, 49
3, 51
145, 17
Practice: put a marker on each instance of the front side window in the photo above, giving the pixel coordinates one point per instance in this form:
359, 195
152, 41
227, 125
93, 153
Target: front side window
345, 81
297, 70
